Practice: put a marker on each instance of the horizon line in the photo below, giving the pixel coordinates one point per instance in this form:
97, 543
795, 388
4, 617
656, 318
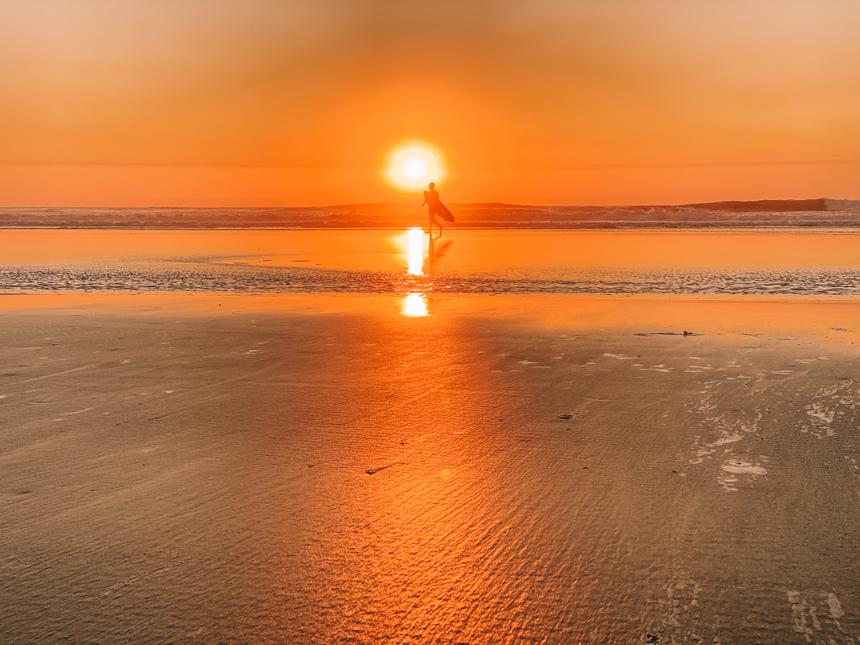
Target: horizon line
454, 203
588, 165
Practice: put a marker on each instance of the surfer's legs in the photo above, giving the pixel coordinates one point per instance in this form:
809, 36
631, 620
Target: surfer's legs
439, 224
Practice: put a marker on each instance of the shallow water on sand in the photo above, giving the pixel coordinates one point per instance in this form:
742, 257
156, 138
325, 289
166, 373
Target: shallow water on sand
467, 261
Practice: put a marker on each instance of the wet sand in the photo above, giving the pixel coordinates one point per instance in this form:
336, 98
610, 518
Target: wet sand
807, 263
325, 469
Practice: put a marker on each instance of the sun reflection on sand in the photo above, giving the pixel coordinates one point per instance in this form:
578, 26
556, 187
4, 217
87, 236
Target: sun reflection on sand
415, 305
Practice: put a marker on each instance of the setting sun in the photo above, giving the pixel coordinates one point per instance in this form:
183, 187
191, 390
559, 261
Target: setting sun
411, 166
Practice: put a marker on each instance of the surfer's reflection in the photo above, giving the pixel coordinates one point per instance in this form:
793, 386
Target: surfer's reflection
436, 252
415, 305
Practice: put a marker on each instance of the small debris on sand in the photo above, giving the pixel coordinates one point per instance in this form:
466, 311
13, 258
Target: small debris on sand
686, 332
566, 416
373, 471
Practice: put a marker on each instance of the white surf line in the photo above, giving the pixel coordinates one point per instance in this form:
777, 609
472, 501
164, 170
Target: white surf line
619, 357
68, 414
46, 376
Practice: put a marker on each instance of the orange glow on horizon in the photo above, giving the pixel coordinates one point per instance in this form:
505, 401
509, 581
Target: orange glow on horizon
297, 103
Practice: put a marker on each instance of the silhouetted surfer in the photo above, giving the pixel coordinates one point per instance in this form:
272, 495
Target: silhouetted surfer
436, 208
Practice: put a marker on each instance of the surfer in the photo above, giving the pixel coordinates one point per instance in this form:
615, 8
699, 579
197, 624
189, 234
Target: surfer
436, 208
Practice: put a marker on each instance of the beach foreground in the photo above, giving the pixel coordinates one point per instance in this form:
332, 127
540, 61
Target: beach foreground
321, 469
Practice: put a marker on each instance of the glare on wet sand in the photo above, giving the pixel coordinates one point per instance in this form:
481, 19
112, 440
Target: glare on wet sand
415, 305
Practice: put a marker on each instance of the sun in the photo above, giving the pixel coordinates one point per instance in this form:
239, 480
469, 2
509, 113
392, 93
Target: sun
412, 165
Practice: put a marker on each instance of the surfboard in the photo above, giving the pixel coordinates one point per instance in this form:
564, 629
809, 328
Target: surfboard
442, 211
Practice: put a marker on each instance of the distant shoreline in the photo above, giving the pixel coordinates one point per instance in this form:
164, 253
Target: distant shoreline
624, 226
768, 214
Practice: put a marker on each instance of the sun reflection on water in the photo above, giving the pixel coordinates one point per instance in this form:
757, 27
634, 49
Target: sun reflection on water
415, 251
414, 243
415, 305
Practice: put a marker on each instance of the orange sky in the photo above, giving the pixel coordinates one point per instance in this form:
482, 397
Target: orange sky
283, 102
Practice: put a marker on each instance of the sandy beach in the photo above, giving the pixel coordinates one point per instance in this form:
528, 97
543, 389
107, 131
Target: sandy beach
326, 469
464, 323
